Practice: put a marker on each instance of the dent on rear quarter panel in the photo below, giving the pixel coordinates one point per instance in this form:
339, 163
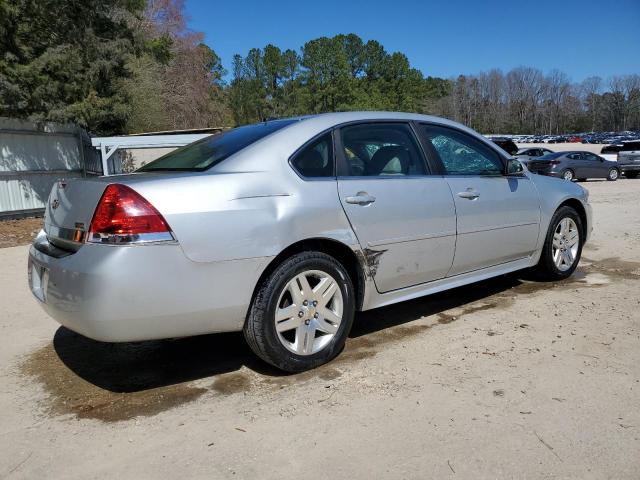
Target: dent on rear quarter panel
237, 215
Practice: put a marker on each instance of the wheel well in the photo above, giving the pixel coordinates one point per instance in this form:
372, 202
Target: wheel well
341, 252
578, 207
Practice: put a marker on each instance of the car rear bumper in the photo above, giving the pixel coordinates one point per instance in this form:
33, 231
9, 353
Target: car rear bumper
132, 293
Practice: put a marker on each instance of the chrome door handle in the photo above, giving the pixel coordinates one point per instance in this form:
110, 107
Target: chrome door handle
468, 194
361, 198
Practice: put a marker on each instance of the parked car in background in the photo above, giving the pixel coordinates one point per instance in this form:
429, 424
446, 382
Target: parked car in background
574, 165
610, 152
525, 153
284, 229
506, 144
629, 159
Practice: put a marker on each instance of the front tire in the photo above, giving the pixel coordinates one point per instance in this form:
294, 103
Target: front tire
562, 246
613, 175
302, 313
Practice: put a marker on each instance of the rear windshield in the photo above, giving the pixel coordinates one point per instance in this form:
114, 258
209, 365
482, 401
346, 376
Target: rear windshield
210, 151
611, 149
630, 146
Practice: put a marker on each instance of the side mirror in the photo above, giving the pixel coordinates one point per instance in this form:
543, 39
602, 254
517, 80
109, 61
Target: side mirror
514, 167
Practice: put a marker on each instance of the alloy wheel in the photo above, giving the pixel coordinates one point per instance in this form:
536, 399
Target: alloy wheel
309, 312
566, 241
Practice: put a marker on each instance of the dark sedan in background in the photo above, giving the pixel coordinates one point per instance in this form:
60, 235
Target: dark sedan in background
573, 165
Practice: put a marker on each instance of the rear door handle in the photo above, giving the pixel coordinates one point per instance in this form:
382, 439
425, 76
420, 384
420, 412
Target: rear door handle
361, 198
469, 194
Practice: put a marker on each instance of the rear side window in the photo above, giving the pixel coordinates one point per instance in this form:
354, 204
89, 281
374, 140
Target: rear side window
462, 154
210, 151
316, 159
381, 149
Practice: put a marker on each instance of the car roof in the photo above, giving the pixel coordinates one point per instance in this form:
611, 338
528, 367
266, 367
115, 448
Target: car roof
344, 117
324, 121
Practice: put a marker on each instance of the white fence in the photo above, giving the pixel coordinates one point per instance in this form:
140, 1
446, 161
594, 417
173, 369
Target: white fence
33, 156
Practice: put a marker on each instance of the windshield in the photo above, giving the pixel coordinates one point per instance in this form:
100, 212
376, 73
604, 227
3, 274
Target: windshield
210, 151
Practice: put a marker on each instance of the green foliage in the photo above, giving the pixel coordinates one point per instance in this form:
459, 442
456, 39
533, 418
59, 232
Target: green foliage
329, 74
160, 48
111, 66
63, 61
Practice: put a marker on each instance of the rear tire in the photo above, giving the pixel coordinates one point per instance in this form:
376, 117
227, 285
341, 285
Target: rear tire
613, 175
568, 174
295, 324
631, 174
558, 246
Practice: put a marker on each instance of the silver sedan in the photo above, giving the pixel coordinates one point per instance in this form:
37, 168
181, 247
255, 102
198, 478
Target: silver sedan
286, 228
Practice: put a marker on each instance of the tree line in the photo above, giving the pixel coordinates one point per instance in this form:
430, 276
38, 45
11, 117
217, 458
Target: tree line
525, 100
111, 66
128, 66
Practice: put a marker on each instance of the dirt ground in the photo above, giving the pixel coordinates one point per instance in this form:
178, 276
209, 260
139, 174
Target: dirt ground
19, 232
500, 379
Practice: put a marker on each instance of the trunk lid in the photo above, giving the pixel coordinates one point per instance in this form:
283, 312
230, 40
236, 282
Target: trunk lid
69, 211
539, 165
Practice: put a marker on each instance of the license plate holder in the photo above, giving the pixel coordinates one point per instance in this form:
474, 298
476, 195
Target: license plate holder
38, 280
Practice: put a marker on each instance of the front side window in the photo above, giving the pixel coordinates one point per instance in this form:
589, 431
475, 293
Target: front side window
381, 149
316, 159
574, 156
462, 154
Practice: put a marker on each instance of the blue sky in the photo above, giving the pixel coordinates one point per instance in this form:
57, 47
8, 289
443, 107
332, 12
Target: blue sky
444, 38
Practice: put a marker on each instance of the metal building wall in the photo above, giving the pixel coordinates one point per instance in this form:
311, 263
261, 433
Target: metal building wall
33, 156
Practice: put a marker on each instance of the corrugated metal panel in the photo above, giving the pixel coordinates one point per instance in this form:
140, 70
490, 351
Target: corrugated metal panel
33, 156
45, 151
27, 191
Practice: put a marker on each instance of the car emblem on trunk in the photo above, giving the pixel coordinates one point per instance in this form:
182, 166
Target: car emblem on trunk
55, 203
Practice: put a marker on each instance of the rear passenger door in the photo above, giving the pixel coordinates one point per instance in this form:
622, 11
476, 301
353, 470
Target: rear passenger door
403, 216
498, 216
594, 165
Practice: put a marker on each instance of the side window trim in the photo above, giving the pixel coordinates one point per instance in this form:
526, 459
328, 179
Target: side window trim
436, 156
292, 157
342, 168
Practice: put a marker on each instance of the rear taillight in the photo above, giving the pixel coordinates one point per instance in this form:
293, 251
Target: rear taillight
123, 216
554, 162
